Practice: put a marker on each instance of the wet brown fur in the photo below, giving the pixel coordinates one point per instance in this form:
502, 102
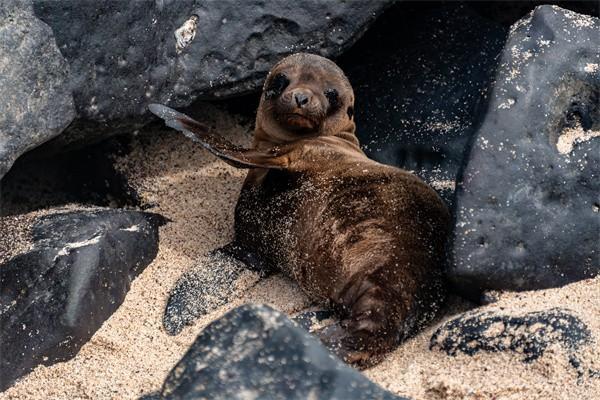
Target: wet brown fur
363, 237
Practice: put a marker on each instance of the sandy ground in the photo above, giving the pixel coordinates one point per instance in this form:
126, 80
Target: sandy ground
131, 354
413, 370
18, 242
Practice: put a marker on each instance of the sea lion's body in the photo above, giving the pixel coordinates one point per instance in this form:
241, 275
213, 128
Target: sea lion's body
355, 234
364, 237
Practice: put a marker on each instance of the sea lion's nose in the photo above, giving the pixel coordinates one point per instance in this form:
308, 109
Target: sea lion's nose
301, 98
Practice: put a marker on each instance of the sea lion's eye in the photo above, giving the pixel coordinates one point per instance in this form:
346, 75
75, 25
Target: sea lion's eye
333, 98
276, 86
350, 112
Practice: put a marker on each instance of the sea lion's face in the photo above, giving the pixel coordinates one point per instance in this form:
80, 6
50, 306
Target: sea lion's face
305, 95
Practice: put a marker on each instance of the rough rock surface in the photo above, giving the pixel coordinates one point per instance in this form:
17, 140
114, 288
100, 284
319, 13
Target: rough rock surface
36, 101
528, 335
173, 52
73, 272
258, 352
420, 93
527, 207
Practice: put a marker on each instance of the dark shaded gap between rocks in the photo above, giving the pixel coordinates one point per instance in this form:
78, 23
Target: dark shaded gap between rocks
86, 176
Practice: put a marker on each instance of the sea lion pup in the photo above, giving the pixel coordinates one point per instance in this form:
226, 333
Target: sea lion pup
366, 238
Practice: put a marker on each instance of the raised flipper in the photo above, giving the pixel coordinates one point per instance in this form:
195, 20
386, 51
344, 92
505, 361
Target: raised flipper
236, 156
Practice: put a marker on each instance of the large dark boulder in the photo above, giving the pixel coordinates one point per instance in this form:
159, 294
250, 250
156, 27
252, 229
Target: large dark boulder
73, 272
124, 55
527, 208
258, 352
36, 102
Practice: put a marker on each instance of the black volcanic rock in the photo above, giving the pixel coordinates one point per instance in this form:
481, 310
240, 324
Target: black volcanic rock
74, 275
36, 102
527, 206
528, 335
256, 351
124, 55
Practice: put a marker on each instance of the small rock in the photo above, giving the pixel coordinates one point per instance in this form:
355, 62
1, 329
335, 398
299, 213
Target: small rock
527, 206
529, 334
255, 351
67, 281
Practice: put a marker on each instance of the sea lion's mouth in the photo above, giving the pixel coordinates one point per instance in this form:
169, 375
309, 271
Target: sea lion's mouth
299, 121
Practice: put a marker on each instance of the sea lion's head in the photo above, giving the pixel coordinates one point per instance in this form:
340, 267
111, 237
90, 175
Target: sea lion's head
304, 95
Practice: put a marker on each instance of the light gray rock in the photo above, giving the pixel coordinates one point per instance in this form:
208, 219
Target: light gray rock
527, 207
36, 100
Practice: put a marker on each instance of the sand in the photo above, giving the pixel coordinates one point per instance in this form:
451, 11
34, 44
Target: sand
19, 240
131, 354
413, 370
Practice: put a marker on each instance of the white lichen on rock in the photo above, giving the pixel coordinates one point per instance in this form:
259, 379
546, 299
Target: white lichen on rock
186, 33
66, 250
507, 104
132, 228
591, 67
570, 136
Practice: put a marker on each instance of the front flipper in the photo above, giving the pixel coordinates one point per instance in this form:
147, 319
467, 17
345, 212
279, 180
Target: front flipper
239, 157
251, 260
212, 282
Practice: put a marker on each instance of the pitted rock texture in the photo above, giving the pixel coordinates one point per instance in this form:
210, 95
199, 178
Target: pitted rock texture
173, 52
73, 274
528, 335
258, 352
527, 206
36, 100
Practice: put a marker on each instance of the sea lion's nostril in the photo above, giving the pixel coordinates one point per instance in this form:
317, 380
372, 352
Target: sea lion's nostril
301, 99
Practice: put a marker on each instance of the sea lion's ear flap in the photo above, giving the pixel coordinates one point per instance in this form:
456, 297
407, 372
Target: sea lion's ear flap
234, 155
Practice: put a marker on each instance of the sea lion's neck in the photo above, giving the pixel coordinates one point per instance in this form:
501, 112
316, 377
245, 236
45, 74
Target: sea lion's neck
349, 136
263, 140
